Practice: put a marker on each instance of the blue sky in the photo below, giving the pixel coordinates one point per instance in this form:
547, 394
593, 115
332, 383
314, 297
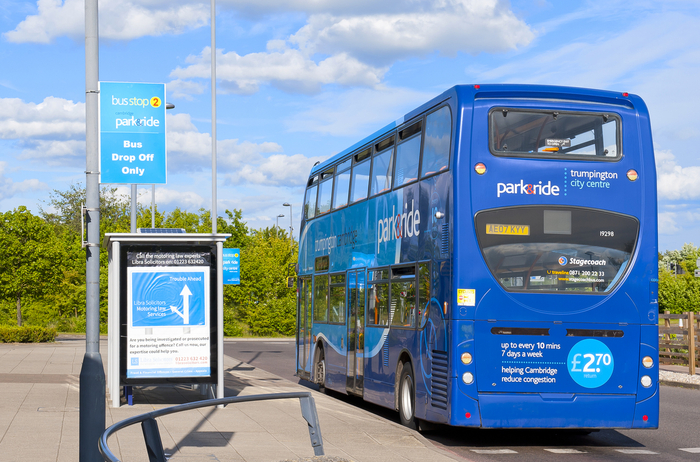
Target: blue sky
300, 80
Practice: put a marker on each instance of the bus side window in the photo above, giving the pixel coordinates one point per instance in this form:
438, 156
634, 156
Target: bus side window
321, 298
359, 184
325, 192
436, 150
337, 298
403, 296
408, 155
382, 166
342, 185
378, 302
310, 202
423, 293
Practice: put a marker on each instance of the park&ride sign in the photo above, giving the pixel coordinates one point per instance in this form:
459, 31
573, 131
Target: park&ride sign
132, 133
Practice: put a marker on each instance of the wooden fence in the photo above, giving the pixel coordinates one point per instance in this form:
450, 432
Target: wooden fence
679, 345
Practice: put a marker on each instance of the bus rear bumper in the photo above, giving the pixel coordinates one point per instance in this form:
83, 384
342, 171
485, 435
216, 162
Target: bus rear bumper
563, 410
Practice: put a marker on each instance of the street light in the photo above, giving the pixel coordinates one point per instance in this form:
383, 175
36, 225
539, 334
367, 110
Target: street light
291, 229
278, 222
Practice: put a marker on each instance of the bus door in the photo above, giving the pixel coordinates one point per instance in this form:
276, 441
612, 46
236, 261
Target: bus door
304, 327
356, 331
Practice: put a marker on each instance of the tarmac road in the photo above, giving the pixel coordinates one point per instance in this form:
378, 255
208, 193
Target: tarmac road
677, 439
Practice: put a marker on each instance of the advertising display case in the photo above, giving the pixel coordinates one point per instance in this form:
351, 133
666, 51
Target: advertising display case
165, 317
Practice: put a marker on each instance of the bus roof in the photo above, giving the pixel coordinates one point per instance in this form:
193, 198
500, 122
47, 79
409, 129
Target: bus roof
473, 92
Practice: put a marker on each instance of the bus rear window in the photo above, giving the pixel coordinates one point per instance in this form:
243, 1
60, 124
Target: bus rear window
556, 249
554, 134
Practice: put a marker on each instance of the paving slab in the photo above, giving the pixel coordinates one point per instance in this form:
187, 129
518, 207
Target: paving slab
39, 417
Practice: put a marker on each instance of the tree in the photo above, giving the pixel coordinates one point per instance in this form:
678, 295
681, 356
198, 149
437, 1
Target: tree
115, 215
31, 257
262, 300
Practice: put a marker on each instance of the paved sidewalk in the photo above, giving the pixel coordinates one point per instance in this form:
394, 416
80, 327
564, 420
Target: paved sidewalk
39, 417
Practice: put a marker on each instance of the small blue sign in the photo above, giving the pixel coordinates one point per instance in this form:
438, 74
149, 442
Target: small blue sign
132, 133
232, 266
590, 363
168, 298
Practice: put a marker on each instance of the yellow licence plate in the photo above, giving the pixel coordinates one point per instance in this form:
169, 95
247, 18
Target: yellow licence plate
509, 230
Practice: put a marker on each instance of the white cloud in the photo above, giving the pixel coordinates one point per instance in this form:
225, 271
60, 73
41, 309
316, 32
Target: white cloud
55, 152
278, 169
119, 19
288, 69
53, 117
189, 150
186, 200
9, 188
354, 45
184, 89
667, 223
447, 26
595, 61
356, 112
238, 162
675, 182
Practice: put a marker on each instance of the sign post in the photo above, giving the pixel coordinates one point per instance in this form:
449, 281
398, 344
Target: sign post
232, 266
132, 133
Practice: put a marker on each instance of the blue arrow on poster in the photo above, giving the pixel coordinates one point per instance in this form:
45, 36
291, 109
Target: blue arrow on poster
163, 298
232, 266
132, 133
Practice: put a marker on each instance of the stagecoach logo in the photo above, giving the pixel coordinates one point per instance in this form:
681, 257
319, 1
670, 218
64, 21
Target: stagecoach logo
538, 189
399, 225
579, 262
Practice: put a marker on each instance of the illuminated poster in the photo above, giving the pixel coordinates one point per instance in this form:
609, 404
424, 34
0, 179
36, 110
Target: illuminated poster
168, 314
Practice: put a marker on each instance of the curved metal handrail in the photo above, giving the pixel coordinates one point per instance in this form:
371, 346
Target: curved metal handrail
151, 434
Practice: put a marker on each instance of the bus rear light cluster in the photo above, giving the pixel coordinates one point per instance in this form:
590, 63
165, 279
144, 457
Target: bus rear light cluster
646, 381
466, 358
468, 378
648, 362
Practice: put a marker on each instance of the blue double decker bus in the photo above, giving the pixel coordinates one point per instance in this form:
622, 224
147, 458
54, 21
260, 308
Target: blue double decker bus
489, 260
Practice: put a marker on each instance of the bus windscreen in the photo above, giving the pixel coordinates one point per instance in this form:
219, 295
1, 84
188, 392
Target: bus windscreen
555, 249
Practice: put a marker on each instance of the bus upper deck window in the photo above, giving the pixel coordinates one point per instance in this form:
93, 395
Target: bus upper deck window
342, 185
360, 181
408, 155
310, 202
436, 149
382, 166
325, 192
557, 134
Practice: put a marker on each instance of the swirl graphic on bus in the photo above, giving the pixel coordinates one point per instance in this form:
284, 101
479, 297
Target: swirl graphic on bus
563, 261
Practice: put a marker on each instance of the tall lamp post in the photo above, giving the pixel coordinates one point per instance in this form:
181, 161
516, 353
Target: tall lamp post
277, 223
291, 229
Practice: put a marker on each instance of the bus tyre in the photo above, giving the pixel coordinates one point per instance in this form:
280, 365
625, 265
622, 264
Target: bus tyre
407, 400
320, 378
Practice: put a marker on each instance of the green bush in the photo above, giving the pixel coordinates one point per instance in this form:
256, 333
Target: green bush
276, 317
26, 334
232, 327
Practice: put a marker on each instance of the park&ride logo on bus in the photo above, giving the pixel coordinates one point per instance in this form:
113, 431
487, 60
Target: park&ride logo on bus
399, 225
527, 188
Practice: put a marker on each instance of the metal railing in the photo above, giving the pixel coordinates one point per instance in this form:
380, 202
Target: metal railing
151, 434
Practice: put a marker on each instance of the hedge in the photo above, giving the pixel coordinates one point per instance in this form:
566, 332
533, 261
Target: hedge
26, 334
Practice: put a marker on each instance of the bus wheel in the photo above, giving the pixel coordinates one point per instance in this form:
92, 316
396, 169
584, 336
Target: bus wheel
320, 378
407, 401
